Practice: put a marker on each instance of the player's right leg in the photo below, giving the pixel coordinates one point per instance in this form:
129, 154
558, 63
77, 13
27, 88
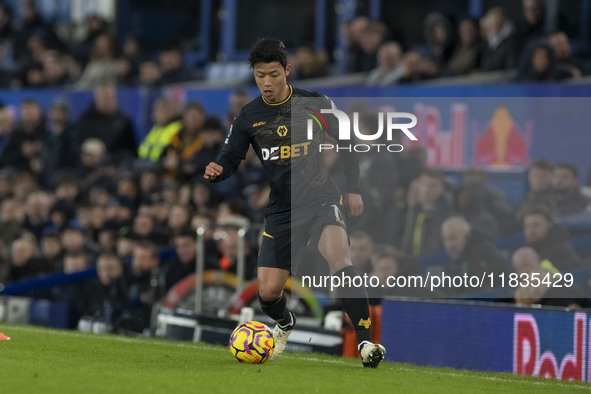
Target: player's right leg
274, 303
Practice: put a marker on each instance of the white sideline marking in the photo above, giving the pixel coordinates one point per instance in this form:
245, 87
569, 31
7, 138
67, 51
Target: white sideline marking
549, 382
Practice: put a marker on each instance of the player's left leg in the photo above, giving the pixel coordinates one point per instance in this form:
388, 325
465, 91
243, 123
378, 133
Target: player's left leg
334, 247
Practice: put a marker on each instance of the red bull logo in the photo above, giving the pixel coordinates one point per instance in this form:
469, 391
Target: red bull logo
531, 357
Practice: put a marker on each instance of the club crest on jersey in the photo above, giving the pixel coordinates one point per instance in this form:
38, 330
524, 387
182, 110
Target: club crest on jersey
282, 131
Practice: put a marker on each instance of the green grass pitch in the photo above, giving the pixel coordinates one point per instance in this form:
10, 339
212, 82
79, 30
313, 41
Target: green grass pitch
40, 360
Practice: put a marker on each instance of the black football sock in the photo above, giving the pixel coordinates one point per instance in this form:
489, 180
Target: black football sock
355, 304
277, 310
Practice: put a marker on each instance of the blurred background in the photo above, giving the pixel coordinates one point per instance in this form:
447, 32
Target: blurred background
110, 111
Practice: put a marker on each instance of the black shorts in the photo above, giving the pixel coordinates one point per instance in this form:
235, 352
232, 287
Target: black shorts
284, 241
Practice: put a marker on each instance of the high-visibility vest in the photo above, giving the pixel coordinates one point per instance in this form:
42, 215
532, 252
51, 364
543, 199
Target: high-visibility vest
157, 139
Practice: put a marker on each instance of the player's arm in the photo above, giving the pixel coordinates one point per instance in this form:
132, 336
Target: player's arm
233, 152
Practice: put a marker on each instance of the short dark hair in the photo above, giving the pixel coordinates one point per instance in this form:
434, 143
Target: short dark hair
268, 50
542, 164
541, 210
569, 167
150, 246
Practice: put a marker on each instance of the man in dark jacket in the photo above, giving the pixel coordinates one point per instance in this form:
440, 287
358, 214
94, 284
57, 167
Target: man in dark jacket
26, 141
550, 240
500, 52
567, 194
103, 120
182, 263
470, 253
539, 176
422, 229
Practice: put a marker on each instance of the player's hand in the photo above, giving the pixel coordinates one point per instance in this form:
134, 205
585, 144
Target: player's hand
354, 204
212, 171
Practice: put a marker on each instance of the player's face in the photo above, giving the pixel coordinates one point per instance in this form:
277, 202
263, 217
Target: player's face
535, 228
271, 79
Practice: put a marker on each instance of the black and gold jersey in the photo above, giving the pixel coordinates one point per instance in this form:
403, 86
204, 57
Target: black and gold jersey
291, 160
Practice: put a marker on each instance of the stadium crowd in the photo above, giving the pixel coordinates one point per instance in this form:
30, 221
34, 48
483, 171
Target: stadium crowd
34, 55
79, 193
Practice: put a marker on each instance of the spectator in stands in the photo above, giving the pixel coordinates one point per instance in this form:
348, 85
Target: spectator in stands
60, 213
33, 76
439, 36
67, 187
422, 230
238, 99
389, 69
527, 262
5, 184
121, 210
143, 226
93, 152
95, 27
188, 141
539, 176
102, 67
24, 183
361, 248
466, 56
386, 263
470, 253
10, 221
469, 203
143, 288
127, 240
179, 218
182, 263
308, 62
371, 39
105, 121
25, 259
55, 69
353, 32
112, 290
550, 240
542, 66
531, 26
6, 128
166, 115
228, 249
173, 68
567, 193
127, 186
77, 295
7, 29
576, 66
212, 137
26, 142
149, 73
107, 236
126, 75
494, 200
74, 240
500, 51
257, 198
51, 250
37, 212
60, 150
32, 24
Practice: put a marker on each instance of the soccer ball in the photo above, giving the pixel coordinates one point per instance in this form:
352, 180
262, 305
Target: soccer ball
252, 342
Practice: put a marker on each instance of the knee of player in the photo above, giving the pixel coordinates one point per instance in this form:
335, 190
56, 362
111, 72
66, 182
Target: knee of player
269, 292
